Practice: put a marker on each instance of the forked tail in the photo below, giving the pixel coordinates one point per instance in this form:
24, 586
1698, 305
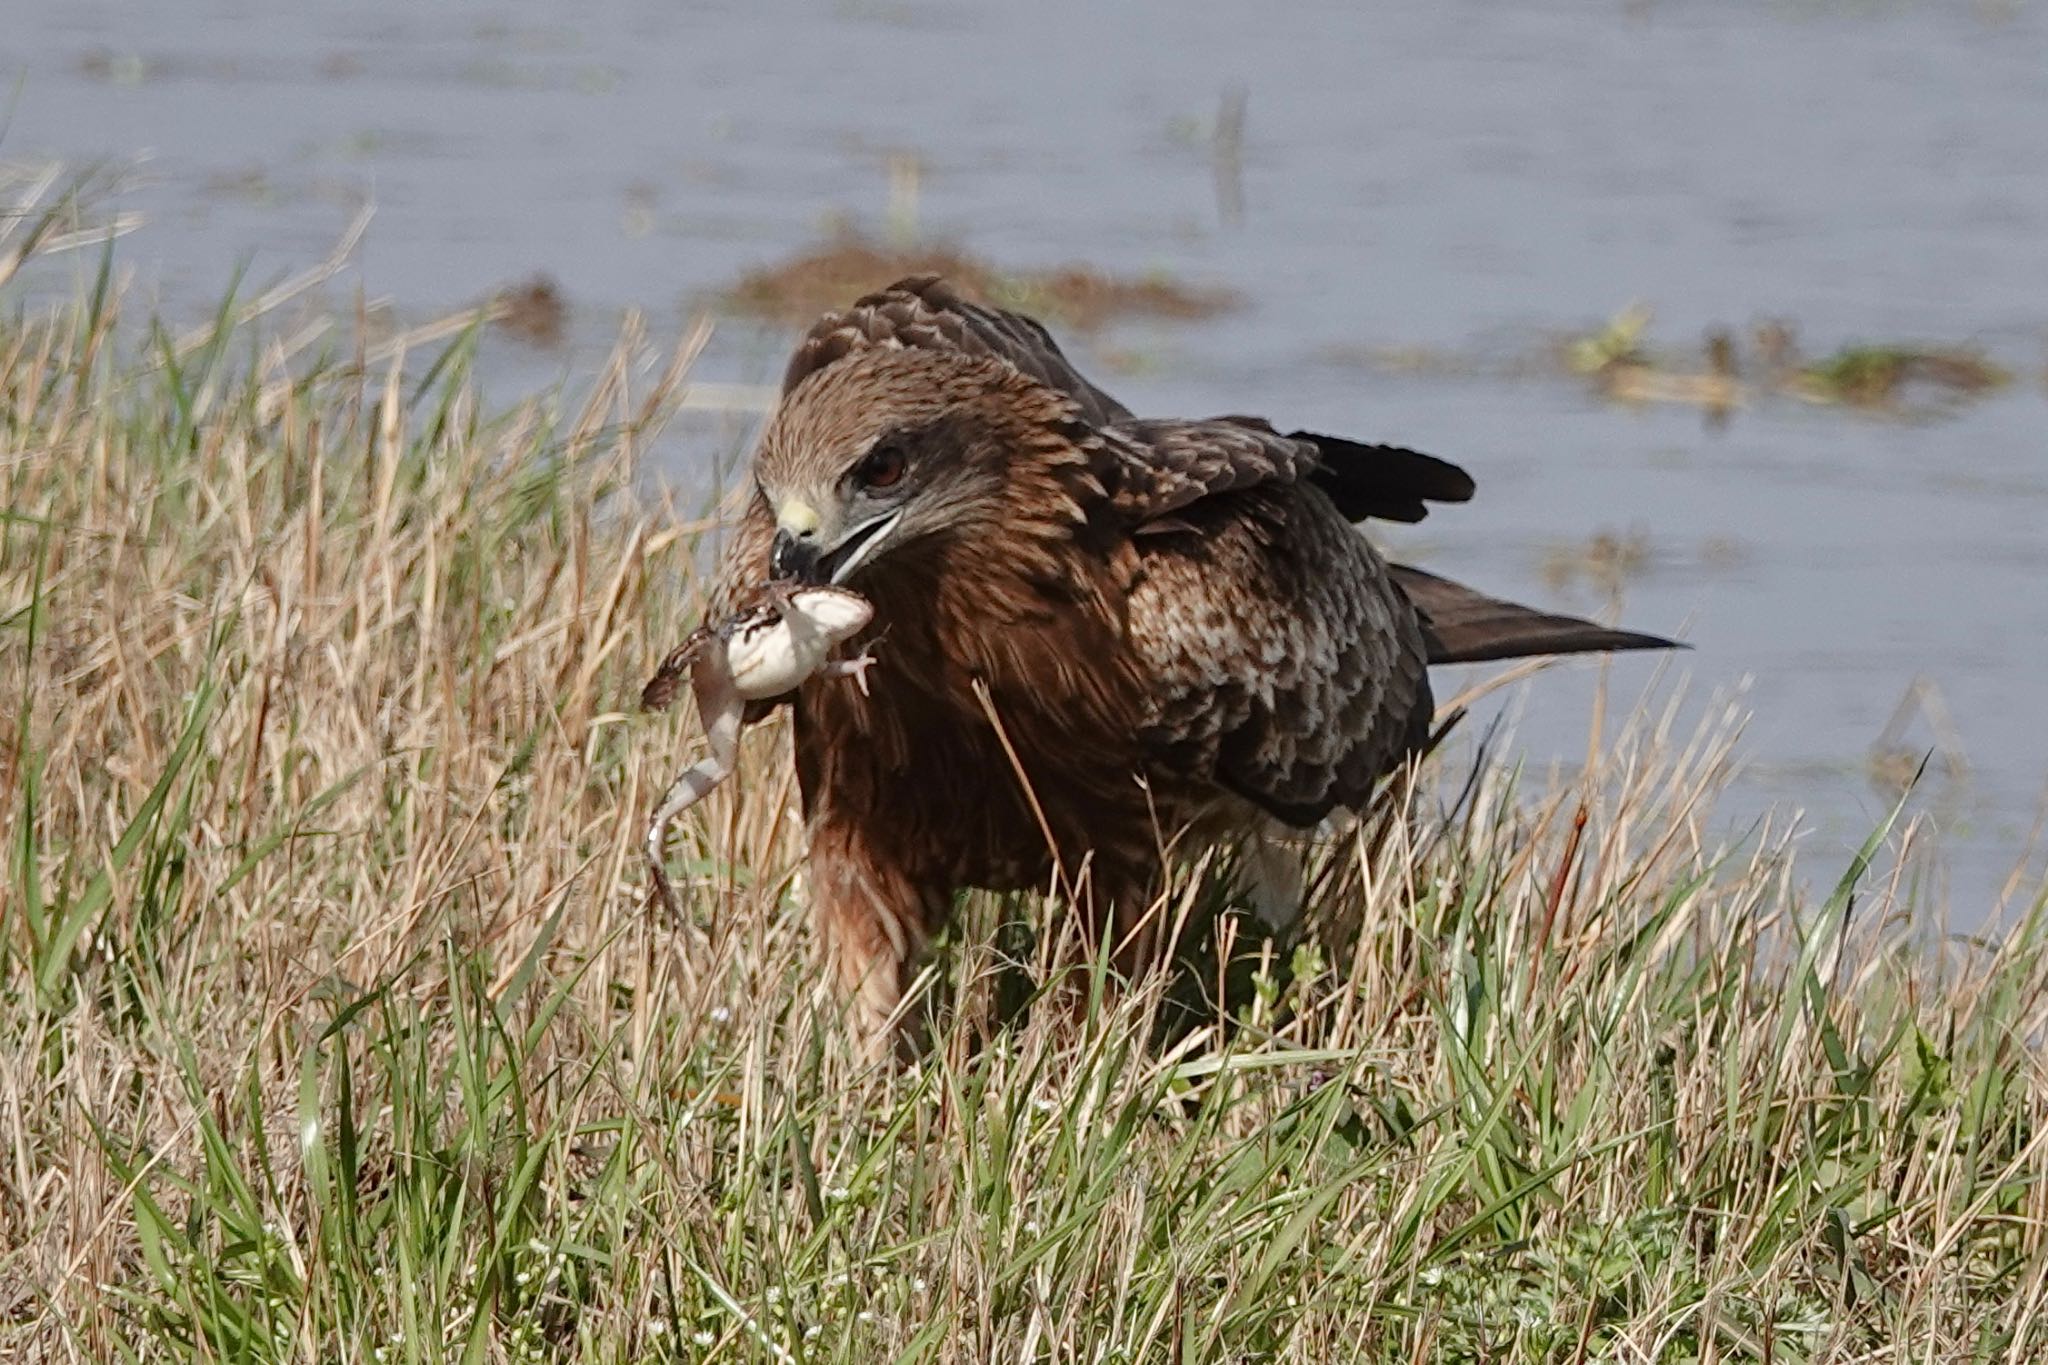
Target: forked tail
1464, 626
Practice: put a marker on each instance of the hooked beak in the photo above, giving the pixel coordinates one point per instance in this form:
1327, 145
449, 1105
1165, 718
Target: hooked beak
794, 558
797, 555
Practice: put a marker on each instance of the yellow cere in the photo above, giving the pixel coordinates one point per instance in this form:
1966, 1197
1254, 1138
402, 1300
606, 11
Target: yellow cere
797, 517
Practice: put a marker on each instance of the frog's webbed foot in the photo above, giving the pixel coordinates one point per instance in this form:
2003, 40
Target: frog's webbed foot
855, 668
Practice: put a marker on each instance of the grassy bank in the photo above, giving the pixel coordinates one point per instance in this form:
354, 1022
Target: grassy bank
335, 1026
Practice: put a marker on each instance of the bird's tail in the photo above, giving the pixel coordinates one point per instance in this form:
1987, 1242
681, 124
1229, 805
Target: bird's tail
1464, 626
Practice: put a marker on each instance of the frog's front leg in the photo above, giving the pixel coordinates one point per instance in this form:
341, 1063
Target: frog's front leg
661, 689
721, 710
855, 668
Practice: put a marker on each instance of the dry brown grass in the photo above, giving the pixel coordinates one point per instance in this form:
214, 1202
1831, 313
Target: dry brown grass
337, 1029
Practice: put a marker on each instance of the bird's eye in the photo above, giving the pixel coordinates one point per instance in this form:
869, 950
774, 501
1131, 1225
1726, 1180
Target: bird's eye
882, 468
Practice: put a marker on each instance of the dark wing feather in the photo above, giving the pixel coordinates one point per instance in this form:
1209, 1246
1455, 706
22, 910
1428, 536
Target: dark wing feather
924, 311
1163, 467
1285, 665
1463, 626
1386, 483
1288, 658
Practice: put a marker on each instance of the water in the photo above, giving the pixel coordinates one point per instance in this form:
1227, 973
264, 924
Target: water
1455, 176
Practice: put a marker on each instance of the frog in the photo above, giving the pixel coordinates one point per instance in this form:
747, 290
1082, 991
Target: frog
783, 637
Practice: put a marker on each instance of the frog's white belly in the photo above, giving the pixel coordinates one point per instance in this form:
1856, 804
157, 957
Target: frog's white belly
775, 656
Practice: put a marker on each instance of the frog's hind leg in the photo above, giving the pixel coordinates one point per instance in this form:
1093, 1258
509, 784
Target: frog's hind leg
692, 785
721, 711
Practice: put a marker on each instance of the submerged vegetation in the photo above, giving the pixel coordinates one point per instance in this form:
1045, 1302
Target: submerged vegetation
827, 276
534, 312
1895, 377
337, 1027
1730, 369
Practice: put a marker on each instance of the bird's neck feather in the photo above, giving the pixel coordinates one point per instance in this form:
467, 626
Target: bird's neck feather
1029, 610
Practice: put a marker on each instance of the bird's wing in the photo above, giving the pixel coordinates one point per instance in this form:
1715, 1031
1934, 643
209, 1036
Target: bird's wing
1284, 663
924, 311
1162, 467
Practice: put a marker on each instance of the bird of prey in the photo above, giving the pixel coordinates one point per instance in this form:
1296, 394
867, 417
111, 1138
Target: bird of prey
1095, 634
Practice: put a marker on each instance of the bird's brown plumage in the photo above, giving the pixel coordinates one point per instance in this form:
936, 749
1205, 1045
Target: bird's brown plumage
1093, 631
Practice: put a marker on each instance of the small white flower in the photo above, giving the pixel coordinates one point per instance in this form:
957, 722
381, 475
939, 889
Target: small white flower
1031, 1227
720, 1015
838, 1194
657, 1327
864, 1315
919, 1285
774, 1294
521, 1278
814, 1331
1045, 1104
700, 1337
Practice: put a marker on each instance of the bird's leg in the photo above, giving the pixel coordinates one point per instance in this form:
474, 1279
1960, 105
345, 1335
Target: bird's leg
874, 918
721, 710
1136, 916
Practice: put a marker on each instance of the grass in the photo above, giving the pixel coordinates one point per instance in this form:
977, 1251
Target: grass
336, 1027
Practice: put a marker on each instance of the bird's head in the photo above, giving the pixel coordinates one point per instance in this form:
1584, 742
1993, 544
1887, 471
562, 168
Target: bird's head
888, 448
